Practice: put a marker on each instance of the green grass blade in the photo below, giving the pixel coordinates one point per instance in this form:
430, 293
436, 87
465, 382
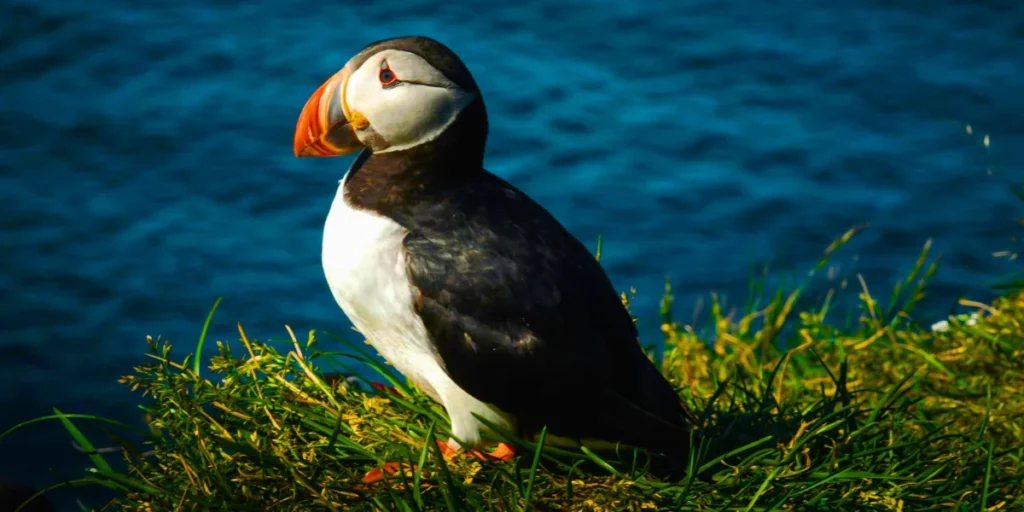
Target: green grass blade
70, 416
451, 494
749, 446
418, 474
202, 337
82, 441
533, 467
988, 476
764, 486
600, 462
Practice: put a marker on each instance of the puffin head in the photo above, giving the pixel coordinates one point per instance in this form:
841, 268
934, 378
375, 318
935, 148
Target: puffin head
392, 96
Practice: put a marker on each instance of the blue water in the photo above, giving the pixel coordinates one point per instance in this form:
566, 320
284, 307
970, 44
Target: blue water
146, 168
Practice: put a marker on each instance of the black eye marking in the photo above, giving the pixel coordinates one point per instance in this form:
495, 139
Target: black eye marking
386, 76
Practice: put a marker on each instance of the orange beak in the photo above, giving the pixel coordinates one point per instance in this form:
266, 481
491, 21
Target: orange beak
324, 128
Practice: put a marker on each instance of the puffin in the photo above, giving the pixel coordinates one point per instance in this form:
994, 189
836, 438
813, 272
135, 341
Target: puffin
469, 288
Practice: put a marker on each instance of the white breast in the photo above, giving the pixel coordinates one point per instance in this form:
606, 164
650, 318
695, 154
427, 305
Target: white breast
364, 263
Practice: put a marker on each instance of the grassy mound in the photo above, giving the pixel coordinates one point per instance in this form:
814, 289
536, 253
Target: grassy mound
798, 413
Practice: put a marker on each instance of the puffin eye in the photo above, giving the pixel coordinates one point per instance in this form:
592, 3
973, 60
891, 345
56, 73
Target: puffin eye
386, 76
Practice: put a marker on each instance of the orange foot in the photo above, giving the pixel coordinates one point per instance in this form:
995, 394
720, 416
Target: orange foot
389, 469
502, 452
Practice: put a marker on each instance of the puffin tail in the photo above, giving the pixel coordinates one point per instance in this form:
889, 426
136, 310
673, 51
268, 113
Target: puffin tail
661, 423
663, 432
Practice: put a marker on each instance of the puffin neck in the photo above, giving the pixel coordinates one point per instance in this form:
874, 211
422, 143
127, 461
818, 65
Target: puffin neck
384, 182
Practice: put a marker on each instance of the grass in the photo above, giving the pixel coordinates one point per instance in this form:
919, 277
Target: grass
800, 410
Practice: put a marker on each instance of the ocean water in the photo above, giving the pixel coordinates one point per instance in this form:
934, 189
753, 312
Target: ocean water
146, 167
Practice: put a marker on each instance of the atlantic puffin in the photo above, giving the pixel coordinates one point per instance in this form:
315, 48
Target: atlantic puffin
459, 280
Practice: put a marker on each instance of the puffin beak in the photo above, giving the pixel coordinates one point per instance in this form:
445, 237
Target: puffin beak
324, 128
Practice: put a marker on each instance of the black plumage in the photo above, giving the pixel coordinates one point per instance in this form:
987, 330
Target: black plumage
524, 317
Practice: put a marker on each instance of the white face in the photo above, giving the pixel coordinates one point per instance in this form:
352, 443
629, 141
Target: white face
405, 100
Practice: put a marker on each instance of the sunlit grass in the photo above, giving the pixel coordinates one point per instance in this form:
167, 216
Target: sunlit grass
798, 412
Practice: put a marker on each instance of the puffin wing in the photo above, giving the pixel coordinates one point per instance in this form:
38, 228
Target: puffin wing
524, 317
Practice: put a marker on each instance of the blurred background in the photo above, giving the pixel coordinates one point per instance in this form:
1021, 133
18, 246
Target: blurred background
146, 167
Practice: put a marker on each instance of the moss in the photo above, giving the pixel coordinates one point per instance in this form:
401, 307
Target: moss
797, 413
